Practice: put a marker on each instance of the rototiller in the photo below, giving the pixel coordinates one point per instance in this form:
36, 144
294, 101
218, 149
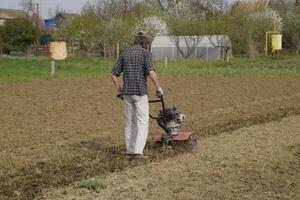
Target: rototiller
171, 119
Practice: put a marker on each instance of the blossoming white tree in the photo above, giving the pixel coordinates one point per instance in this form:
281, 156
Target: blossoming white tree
153, 25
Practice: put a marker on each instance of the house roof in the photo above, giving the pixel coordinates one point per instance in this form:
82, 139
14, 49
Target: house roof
11, 14
250, 4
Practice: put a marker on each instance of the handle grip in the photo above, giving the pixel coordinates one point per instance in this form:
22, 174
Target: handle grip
162, 103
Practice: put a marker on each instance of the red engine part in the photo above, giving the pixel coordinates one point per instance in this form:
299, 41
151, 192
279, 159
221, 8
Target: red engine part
181, 136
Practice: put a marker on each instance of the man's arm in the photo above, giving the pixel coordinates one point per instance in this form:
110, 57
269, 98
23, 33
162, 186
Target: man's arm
116, 82
152, 74
154, 78
116, 72
118, 85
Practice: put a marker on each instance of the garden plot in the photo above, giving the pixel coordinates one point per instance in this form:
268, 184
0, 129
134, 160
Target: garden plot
56, 132
258, 162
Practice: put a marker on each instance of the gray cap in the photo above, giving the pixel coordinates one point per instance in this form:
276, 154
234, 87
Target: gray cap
141, 34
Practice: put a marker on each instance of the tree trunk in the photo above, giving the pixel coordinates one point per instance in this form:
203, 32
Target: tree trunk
89, 51
104, 49
161, 5
226, 56
252, 53
113, 53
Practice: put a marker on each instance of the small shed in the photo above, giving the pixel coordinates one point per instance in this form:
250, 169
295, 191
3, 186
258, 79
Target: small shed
190, 47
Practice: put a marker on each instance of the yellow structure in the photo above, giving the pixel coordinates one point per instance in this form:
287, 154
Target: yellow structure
276, 41
58, 50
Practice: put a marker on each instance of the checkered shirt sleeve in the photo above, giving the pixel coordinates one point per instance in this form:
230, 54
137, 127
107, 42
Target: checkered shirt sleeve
118, 68
148, 62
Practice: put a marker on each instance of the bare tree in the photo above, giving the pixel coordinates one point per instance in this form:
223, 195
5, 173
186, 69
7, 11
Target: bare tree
29, 7
292, 29
211, 8
162, 7
163, 4
222, 42
200, 7
32, 11
185, 27
112, 8
55, 12
189, 43
283, 6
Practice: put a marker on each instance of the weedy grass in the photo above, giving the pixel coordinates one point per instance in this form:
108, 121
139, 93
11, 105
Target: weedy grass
278, 66
14, 69
91, 184
25, 69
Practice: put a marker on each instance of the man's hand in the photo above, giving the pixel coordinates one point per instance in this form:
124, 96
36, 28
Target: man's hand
120, 94
118, 85
159, 92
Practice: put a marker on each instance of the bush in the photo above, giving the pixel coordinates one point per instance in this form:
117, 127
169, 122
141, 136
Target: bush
18, 34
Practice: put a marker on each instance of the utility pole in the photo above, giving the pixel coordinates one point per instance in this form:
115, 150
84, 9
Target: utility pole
37, 20
36, 16
38, 10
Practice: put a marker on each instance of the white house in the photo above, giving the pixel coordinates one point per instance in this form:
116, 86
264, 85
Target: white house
7, 14
191, 47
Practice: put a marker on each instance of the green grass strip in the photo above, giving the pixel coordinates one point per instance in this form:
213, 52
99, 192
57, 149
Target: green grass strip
25, 69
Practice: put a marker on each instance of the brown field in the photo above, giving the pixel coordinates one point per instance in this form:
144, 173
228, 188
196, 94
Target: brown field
56, 132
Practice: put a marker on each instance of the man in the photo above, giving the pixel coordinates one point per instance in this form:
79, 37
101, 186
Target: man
136, 64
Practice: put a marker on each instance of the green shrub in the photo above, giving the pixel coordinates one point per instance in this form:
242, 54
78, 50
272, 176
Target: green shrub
92, 184
18, 34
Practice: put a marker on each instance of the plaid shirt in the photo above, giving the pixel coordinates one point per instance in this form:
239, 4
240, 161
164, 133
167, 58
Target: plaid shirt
135, 63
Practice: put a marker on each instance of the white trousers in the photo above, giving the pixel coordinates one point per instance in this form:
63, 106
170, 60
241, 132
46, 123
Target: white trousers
137, 120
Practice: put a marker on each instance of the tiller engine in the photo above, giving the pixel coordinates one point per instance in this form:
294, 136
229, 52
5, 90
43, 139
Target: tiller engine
170, 120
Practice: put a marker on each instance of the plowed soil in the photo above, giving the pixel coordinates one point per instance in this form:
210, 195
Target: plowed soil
258, 162
56, 132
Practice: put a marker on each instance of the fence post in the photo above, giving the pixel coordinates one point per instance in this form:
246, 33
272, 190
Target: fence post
52, 68
166, 62
118, 50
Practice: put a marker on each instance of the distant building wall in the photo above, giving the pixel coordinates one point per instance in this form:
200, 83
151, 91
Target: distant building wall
2, 22
7, 14
164, 47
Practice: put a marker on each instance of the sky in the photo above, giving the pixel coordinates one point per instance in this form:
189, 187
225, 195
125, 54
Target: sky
73, 6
